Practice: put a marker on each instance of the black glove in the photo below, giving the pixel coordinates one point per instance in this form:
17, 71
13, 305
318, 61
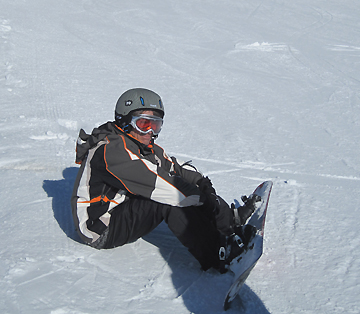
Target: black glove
205, 185
242, 213
208, 194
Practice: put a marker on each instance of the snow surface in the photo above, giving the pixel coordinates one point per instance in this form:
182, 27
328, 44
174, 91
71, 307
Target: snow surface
253, 90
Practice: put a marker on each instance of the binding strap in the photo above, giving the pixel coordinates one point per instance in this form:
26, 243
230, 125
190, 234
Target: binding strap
237, 218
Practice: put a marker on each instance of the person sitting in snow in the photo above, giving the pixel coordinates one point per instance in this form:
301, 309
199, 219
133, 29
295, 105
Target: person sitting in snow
127, 185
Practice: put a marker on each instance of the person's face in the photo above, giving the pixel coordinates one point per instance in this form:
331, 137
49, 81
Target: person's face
141, 137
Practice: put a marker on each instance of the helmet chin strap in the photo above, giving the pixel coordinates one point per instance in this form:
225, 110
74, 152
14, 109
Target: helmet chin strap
127, 128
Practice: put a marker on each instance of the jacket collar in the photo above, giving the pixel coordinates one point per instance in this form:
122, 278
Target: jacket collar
144, 149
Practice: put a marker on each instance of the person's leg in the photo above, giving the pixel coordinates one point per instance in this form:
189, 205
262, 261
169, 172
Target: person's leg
132, 220
138, 216
222, 216
196, 232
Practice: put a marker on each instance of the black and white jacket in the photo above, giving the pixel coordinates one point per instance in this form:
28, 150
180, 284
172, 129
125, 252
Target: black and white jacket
115, 166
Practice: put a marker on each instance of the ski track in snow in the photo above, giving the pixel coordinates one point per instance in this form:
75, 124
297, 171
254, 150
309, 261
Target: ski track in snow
254, 91
274, 170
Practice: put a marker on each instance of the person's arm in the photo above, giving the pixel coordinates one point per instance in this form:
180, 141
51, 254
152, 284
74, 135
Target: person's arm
122, 168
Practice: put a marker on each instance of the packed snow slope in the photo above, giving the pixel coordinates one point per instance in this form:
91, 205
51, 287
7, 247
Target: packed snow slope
253, 90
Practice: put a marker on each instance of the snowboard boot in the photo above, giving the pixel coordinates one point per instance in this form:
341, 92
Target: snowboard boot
243, 213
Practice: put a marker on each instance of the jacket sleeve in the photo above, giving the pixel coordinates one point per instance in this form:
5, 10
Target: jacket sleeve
123, 168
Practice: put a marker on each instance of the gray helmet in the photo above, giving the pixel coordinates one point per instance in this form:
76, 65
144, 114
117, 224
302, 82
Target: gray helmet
138, 99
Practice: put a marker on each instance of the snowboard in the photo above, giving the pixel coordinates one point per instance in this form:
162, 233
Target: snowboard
243, 264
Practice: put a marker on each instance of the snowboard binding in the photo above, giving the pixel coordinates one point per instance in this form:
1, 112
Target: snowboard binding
244, 212
235, 245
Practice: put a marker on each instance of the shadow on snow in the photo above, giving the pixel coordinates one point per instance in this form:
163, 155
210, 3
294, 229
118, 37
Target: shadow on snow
202, 292
60, 191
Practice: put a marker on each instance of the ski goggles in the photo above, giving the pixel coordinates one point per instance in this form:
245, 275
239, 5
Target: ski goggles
145, 123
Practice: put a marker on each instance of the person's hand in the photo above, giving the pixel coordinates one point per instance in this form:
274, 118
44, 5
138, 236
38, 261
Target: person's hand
208, 194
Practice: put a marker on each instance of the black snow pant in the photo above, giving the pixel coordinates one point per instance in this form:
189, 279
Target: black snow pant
198, 229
